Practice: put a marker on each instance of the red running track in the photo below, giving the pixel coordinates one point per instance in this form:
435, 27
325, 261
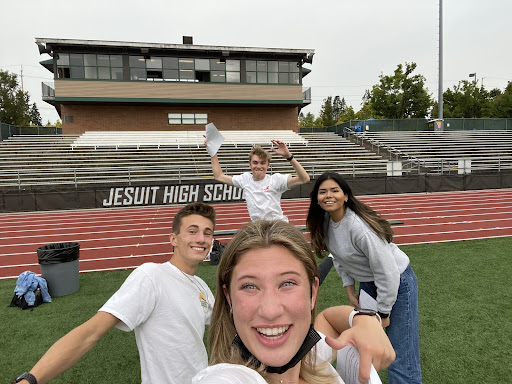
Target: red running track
125, 238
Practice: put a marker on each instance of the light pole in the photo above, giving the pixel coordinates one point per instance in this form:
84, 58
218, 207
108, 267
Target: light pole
440, 86
473, 75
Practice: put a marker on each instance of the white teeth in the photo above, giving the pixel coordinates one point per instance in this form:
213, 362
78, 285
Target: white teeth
272, 331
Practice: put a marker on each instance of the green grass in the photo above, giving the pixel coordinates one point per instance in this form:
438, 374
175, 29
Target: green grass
465, 318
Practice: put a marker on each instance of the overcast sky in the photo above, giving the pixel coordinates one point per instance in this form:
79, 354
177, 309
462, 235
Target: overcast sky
354, 41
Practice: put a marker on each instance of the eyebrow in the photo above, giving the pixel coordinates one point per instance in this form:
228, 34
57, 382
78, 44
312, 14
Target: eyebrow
193, 226
281, 274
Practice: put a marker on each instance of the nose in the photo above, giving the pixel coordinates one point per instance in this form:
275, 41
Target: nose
200, 238
271, 306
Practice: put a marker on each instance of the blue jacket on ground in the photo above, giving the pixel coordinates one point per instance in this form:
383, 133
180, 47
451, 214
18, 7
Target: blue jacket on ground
26, 285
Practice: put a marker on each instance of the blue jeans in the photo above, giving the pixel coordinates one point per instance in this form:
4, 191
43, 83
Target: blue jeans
403, 330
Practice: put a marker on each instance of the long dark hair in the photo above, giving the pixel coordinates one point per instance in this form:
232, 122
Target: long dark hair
315, 221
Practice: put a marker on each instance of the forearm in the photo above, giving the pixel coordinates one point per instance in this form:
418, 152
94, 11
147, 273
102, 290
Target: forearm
333, 321
66, 351
353, 297
216, 168
61, 356
217, 172
300, 171
351, 290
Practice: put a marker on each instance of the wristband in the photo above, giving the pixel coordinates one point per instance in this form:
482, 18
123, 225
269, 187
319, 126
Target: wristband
290, 158
383, 315
26, 376
361, 311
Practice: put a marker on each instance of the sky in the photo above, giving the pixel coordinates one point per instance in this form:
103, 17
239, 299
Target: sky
355, 41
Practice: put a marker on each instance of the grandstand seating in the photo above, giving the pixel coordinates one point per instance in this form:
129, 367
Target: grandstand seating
158, 157
441, 152
178, 138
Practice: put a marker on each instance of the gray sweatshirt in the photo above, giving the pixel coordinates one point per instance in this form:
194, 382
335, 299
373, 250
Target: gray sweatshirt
360, 254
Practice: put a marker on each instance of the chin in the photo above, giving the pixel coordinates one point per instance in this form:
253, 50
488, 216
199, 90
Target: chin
276, 361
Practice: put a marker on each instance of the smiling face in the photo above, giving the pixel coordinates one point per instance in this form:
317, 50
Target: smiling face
332, 199
192, 243
258, 167
272, 300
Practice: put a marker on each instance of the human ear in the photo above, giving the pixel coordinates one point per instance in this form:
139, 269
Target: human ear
314, 292
226, 295
172, 239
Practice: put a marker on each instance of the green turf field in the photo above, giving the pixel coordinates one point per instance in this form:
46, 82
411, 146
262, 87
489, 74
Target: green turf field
465, 318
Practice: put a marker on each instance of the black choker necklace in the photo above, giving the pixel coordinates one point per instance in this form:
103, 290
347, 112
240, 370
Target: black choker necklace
309, 342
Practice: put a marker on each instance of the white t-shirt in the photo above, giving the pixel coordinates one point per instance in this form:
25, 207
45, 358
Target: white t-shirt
239, 374
168, 311
263, 197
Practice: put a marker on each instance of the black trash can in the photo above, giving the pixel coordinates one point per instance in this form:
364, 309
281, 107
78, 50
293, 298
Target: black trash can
59, 267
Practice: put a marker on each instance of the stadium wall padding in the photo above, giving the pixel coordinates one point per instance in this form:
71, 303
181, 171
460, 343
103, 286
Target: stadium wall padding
212, 192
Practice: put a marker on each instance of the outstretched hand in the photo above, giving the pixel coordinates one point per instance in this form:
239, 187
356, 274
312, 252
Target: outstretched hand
372, 343
280, 148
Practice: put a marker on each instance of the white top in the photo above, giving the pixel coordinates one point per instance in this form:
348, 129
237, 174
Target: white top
238, 374
168, 311
263, 197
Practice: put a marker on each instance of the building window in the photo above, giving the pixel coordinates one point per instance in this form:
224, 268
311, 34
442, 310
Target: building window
150, 68
89, 66
187, 118
92, 66
272, 72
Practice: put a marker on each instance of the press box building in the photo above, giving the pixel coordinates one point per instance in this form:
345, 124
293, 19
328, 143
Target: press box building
125, 86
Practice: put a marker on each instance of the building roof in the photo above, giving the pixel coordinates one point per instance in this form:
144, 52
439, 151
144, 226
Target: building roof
46, 45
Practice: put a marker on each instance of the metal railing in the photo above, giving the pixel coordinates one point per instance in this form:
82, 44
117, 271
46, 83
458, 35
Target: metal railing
48, 90
130, 175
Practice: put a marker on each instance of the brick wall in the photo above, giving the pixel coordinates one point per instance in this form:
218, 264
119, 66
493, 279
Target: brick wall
76, 119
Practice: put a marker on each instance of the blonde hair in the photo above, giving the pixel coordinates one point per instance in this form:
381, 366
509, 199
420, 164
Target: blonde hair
261, 153
259, 234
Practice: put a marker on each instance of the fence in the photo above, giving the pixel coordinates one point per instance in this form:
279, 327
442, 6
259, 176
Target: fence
374, 125
8, 130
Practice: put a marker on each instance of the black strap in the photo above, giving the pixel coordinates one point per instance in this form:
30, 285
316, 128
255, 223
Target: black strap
309, 342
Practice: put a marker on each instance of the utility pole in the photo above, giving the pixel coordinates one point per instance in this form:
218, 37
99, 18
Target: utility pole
21, 76
440, 86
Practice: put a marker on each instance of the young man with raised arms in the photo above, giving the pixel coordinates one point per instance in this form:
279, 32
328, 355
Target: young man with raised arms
262, 191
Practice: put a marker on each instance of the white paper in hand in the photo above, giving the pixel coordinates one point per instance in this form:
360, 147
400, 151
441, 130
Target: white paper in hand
347, 365
366, 301
214, 139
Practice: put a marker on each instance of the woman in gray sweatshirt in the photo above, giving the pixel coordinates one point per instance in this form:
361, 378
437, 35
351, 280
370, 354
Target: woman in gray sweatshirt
361, 242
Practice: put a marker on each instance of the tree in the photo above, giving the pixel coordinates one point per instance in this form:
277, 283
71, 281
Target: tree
308, 120
402, 95
35, 117
348, 115
502, 103
339, 107
327, 113
366, 110
466, 99
15, 107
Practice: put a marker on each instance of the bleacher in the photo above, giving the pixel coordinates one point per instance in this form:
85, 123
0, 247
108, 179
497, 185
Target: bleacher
125, 158
131, 139
440, 152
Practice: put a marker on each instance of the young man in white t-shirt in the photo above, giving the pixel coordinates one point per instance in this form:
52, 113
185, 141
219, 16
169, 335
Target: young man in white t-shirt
165, 304
262, 191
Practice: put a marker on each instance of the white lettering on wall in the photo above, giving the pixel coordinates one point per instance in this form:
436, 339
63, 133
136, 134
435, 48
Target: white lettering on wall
171, 194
